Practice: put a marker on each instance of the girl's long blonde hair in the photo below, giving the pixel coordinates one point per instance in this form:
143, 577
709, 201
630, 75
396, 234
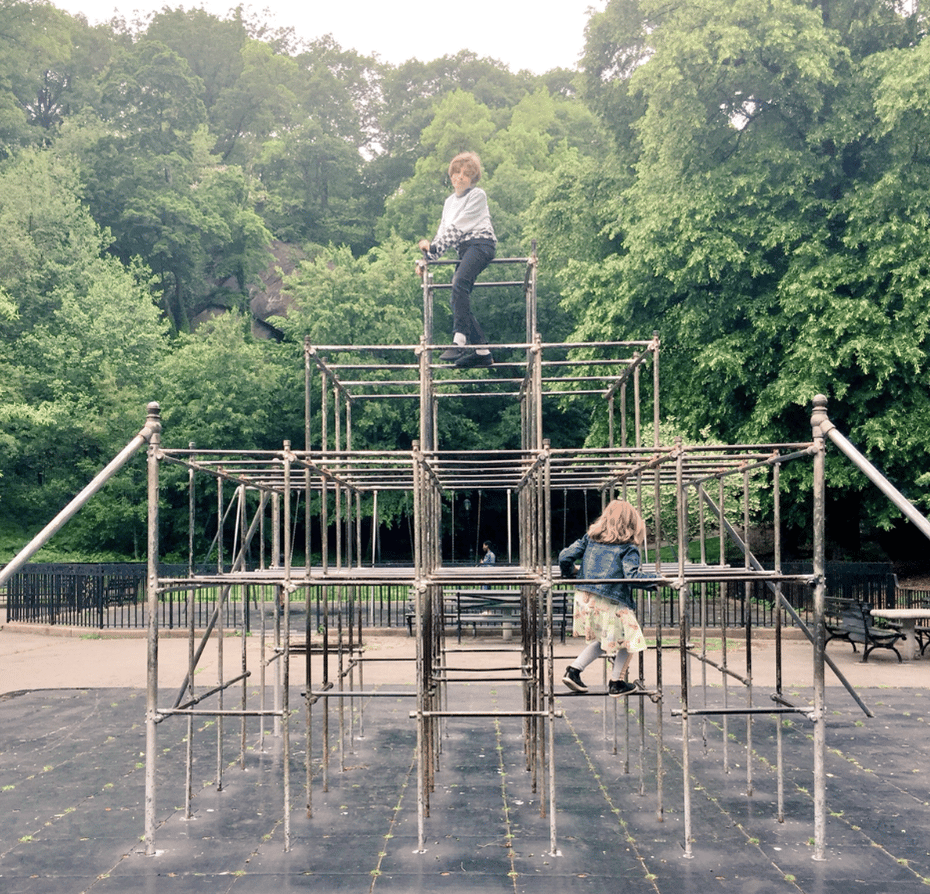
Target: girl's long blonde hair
618, 523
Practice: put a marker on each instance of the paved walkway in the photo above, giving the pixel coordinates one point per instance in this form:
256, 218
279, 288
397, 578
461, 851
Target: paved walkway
72, 789
82, 658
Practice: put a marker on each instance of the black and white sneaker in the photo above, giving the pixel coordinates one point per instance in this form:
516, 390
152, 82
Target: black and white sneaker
616, 688
573, 681
472, 358
450, 355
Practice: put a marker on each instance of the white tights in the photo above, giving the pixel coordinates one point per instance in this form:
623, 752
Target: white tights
593, 651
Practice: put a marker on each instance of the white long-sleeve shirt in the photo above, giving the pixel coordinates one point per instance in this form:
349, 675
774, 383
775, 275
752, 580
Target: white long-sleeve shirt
464, 218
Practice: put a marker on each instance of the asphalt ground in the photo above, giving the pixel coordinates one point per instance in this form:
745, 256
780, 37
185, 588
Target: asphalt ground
72, 756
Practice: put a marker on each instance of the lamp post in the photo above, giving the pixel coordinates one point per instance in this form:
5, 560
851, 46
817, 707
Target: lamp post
467, 505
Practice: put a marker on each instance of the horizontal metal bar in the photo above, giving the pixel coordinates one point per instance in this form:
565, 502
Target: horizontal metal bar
519, 679
706, 712
165, 713
478, 285
358, 693
448, 262
486, 713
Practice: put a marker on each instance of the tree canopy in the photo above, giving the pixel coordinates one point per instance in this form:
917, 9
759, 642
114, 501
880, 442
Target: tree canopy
769, 221
748, 178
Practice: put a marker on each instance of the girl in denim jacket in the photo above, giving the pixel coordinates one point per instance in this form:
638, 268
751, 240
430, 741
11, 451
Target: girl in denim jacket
605, 609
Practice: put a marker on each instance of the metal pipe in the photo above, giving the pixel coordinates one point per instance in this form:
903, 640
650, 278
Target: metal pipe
880, 481
776, 591
151, 428
819, 422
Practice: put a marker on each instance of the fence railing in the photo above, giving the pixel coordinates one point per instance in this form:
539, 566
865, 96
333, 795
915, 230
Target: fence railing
112, 596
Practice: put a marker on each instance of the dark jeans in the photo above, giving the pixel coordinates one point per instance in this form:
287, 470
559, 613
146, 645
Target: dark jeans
473, 258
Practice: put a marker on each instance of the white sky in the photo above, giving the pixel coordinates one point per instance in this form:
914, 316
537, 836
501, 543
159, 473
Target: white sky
520, 33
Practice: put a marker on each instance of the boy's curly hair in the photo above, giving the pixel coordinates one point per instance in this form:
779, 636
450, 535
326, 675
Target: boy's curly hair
469, 162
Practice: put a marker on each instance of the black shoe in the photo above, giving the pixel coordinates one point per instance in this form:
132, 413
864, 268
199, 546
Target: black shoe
572, 680
616, 688
450, 355
473, 358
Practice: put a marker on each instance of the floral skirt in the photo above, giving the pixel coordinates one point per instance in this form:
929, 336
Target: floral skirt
612, 625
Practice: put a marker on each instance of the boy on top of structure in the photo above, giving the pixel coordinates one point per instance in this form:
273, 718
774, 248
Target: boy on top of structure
466, 227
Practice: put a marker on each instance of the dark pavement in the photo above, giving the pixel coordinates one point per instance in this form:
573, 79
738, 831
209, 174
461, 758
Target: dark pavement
72, 795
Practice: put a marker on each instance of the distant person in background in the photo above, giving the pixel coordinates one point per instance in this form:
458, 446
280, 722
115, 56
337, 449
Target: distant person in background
487, 559
605, 613
466, 227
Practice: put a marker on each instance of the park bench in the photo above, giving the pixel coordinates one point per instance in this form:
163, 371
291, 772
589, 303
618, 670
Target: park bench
922, 631
850, 621
120, 590
492, 609
489, 608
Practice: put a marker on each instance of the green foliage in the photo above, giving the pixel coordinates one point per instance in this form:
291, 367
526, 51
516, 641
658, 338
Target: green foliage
344, 300
48, 64
77, 354
774, 225
751, 179
220, 387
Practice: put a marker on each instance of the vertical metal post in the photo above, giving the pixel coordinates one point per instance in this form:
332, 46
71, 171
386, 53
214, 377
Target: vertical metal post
151, 695
747, 620
308, 591
724, 593
308, 381
286, 656
275, 532
683, 651
509, 525
189, 745
550, 660
427, 305
779, 744
337, 486
655, 384
374, 527
423, 358
818, 419
324, 484
220, 607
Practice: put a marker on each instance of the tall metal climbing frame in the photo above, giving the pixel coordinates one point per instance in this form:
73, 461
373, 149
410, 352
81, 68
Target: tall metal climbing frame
332, 478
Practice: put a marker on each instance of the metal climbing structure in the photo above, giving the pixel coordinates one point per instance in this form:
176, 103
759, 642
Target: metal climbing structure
328, 478
689, 495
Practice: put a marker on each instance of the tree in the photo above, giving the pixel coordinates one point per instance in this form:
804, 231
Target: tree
49, 62
777, 168
152, 181
76, 357
211, 46
223, 389
344, 300
261, 102
412, 90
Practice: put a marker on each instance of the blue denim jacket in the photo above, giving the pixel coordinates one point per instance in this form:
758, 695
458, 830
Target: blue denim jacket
606, 560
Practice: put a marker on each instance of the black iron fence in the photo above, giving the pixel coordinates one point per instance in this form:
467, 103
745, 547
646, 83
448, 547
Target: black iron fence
112, 596
78, 595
